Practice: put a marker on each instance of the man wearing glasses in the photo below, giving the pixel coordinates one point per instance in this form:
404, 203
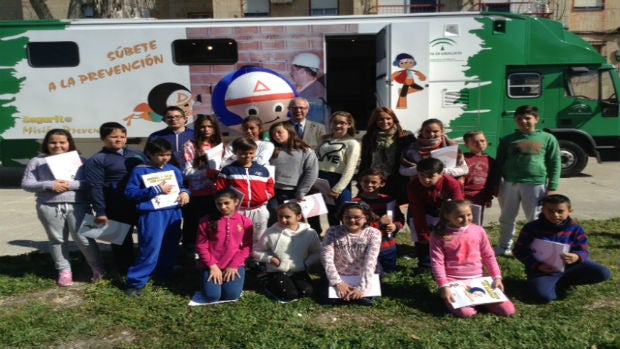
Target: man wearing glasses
176, 133
311, 132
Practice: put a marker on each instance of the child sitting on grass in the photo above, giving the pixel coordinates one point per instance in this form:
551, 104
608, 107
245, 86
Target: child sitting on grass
460, 250
289, 248
555, 224
351, 249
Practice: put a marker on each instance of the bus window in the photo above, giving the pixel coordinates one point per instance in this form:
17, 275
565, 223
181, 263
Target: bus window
524, 85
53, 54
583, 83
204, 51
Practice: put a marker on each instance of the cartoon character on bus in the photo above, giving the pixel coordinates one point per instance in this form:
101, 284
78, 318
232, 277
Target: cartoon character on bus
406, 77
252, 91
159, 98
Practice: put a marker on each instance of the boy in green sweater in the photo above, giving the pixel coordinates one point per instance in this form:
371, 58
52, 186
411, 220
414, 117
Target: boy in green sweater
528, 161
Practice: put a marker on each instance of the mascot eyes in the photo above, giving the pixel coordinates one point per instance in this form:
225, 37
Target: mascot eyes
278, 107
251, 110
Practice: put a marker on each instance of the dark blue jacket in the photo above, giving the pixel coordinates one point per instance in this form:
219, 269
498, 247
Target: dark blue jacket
108, 171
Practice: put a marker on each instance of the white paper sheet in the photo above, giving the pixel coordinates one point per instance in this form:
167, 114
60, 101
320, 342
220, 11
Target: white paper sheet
549, 252
373, 290
114, 232
65, 165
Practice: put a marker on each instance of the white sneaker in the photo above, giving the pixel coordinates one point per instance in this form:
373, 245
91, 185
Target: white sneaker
500, 251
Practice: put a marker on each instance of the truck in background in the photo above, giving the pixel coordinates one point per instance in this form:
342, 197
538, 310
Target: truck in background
470, 70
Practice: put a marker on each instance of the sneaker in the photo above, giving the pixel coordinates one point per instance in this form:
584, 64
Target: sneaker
98, 274
501, 251
65, 278
133, 292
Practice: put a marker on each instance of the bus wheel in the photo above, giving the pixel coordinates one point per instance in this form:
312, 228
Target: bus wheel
574, 158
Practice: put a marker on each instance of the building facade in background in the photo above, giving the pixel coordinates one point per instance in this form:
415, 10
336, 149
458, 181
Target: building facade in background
597, 21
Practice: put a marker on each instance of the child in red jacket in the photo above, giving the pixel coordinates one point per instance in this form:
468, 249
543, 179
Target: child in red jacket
426, 192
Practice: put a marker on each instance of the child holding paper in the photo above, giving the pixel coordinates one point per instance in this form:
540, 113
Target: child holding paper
61, 206
158, 189
390, 219
200, 173
431, 137
295, 163
107, 173
460, 250
351, 249
555, 224
289, 248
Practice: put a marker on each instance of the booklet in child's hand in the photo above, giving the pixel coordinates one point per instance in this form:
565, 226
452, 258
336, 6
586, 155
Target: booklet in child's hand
549, 252
156, 178
475, 292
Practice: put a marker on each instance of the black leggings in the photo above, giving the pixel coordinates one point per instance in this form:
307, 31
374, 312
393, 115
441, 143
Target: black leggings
288, 287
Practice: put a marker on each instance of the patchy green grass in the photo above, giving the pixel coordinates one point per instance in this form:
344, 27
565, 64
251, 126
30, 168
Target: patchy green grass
36, 313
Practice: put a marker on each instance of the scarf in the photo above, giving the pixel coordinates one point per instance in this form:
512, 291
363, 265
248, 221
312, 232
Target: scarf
385, 155
425, 146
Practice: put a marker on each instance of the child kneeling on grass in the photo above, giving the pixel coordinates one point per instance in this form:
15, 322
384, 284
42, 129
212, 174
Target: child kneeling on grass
351, 249
223, 244
555, 224
289, 248
460, 250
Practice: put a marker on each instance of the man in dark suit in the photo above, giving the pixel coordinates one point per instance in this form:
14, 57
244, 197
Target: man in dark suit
311, 132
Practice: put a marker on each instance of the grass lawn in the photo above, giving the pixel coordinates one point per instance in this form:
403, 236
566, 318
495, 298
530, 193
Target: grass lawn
34, 312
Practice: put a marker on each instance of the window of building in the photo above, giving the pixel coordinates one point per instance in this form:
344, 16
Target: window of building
53, 54
524, 85
420, 6
204, 51
256, 8
495, 5
324, 8
196, 15
588, 5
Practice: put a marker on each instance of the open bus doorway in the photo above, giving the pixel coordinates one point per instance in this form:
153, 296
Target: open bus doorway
350, 78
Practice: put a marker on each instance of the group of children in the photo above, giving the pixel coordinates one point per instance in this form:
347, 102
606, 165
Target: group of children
238, 215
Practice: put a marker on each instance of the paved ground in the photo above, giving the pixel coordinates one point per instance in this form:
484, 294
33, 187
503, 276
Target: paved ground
595, 195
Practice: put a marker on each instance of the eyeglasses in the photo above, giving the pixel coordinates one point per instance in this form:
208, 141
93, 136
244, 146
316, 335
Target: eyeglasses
298, 108
173, 117
353, 218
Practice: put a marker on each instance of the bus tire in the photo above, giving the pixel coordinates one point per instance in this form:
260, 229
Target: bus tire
574, 158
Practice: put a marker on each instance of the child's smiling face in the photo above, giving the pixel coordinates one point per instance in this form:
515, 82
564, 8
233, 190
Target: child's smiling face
354, 219
371, 184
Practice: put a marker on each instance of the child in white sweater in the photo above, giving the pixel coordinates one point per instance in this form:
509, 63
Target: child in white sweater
289, 248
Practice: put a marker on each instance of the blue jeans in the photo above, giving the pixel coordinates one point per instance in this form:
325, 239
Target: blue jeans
227, 291
544, 287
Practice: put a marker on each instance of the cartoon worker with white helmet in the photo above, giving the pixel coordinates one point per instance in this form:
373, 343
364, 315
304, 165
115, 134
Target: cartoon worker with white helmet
305, 69
305, 72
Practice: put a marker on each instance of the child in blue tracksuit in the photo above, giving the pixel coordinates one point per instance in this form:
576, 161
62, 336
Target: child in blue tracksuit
158, 190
